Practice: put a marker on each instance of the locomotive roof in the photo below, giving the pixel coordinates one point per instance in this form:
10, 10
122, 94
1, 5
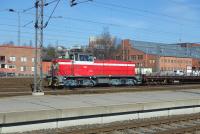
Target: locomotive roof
97, 61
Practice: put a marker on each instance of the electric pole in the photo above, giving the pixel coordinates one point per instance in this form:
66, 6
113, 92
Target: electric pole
38, 88
19, 25
39, 26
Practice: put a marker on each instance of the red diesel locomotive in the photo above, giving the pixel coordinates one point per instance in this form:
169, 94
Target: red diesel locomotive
80, 69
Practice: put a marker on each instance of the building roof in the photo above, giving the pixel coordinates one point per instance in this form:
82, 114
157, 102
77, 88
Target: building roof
13, 46
163, 49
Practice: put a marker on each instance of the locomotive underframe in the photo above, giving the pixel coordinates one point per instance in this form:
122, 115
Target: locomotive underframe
90, 81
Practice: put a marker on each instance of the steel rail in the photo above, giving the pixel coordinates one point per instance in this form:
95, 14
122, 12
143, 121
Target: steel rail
144, 124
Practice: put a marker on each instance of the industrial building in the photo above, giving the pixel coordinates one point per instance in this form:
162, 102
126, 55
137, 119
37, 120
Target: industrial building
159, 56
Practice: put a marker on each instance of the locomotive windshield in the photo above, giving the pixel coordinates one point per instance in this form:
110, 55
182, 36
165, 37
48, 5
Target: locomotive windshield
82, 57
86, 57
77, 56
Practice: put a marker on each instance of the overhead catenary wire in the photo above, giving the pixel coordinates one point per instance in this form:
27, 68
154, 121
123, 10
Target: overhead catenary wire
161, 18
83, 30
110, 24
51, 14
79, 31
116, 25
147, 11
73, 34
45, 4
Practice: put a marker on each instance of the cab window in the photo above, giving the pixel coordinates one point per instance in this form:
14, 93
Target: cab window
85, 58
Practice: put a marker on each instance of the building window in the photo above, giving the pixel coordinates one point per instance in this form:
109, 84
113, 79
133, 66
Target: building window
152, 61
23, 59
2, 65
12, 58
22, 69
11, 66
2, 58
32, 69
140, 57
33, 59
133, 57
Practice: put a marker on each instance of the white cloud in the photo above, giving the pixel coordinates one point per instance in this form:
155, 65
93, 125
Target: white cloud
184, 10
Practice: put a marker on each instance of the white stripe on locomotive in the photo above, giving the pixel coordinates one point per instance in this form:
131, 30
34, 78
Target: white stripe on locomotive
96, 64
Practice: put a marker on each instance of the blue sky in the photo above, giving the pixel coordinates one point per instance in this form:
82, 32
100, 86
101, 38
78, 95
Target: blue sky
167, 21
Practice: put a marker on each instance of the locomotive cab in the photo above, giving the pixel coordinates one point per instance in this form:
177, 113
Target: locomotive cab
71, 60
81, 57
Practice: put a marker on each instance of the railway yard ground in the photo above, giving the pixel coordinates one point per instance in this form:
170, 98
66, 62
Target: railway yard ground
149, 109
27, 113
22, 86
182, 124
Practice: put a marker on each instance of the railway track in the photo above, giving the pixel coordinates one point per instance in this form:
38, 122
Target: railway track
171, 125
22, 86
20, 91
181, 124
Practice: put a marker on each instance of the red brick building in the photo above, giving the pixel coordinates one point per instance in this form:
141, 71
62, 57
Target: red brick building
127, 53
196, 64
156, 58
17, 59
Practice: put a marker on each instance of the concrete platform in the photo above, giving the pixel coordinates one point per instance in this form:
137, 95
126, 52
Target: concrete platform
18, 114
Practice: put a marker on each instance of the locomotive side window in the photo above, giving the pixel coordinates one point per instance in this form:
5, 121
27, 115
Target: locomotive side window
83, 57
91, 58
86, 58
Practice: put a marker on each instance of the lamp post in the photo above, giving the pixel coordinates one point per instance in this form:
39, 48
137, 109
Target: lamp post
19, 25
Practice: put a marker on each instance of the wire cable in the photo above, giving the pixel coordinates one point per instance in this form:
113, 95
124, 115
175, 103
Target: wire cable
51, 14
145, 11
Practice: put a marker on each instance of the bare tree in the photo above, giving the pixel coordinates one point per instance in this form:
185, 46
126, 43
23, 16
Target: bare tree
104, 45
49, 53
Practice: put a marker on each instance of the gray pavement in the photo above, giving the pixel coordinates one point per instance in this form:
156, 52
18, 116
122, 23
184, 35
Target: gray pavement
35, 103
36, 108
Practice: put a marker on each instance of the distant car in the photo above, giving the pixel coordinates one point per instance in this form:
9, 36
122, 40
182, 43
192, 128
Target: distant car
11, 74
2, 74
195, 73
178, 73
